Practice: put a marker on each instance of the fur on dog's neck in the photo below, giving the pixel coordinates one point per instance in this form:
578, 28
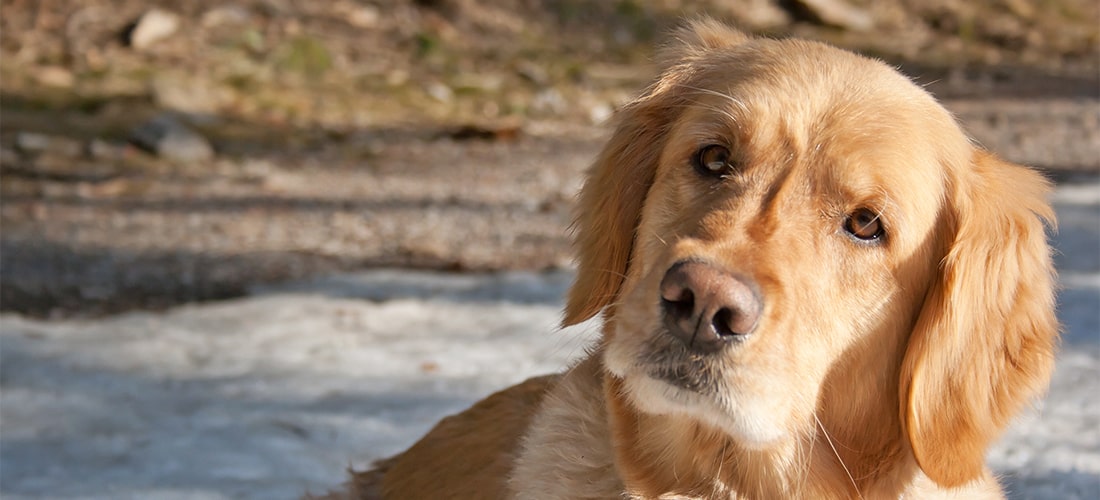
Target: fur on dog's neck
589, 441
658, 455
852, 451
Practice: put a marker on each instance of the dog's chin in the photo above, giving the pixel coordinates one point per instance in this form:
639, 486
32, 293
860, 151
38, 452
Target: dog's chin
679, 392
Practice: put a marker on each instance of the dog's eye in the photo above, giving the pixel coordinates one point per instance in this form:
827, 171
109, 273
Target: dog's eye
864, 224
713, 161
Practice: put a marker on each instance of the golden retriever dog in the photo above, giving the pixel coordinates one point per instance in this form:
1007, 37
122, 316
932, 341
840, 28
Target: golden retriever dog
812, 285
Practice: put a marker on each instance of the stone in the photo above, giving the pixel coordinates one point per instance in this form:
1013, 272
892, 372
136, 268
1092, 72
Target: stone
31, 142
153, 26
837, 13
599, 113
533, 73
549, 101
231, 15
35, 143
8, 157
760, 14
193, 96
100, 149
54, 76
169, 138
364, 17
440, 92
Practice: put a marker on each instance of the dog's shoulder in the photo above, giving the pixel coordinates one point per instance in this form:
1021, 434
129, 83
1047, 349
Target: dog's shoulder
467, 455
567, 451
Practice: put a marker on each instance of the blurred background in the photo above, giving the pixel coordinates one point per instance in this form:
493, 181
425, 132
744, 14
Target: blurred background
153, 153
246, 244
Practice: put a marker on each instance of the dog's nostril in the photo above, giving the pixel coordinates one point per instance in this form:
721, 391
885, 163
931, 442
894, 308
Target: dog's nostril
722, 323
730, 322
681, 305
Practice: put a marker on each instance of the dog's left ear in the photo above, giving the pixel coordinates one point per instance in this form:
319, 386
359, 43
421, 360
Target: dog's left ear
984, 342
610, 203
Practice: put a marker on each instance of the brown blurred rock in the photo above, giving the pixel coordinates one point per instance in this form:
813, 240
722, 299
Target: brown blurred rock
232, 15
759, 14
833, 13
153, 26
36, 143
169, 138
188, 95
54, 76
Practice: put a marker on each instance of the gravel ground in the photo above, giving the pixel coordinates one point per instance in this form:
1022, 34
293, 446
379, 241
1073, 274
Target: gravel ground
273, 394
313, 137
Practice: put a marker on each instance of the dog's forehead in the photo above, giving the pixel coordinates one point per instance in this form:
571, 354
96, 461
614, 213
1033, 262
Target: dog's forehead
825, 105
804, 69
811, 86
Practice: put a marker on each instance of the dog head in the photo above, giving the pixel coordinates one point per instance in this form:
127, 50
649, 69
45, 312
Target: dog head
785, 237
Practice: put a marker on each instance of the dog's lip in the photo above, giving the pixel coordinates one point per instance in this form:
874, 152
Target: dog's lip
681, 377
674, 365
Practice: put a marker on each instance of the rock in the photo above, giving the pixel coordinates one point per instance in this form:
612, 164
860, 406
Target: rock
833, 13
30, 142
232, 15
397, 77
152, 27
100, 149
172, 140
477, 82
187, 95
8, 157
35, 143
760, 14
599, 113
54, 76
533, 73
364, 16
440, 92
549, 101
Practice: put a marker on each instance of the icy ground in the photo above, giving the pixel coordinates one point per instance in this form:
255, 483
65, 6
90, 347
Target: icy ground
274, 394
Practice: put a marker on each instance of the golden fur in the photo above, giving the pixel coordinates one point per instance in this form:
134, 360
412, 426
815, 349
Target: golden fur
876, 369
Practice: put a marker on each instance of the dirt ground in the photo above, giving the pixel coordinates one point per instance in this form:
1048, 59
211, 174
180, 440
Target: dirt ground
439, 134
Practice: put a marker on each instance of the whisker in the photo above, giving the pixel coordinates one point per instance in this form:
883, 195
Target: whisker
806, 456
697, 102
657, 235
835, 453
736, 102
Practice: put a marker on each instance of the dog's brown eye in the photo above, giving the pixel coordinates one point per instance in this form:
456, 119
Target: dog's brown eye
864, 224
713, 161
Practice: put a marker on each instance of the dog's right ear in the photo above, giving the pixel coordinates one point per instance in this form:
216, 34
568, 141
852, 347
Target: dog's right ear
691, 42
610, 203
984, 343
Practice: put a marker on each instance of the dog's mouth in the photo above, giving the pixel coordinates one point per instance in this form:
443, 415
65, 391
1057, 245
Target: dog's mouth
673, 364
663, 376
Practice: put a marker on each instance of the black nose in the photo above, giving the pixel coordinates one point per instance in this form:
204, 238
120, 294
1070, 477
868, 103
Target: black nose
705, 307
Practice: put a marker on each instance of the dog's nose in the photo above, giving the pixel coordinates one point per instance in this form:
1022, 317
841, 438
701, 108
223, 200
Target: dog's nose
706, 307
